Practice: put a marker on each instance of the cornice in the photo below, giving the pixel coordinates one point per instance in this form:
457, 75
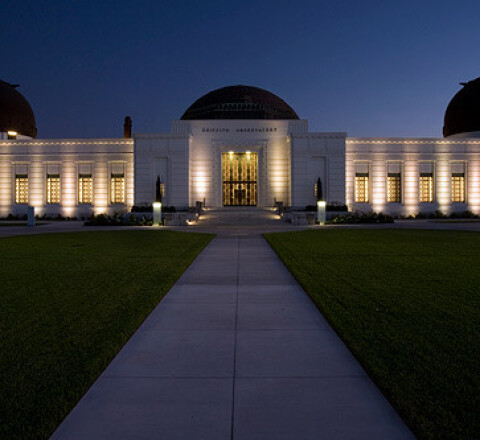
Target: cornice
411, 141
25, 142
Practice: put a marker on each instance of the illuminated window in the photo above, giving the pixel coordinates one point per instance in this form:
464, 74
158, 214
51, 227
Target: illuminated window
394, 188
117, 188
426, 187
361, 188
53, 188
21, 189
458, 187
85, 188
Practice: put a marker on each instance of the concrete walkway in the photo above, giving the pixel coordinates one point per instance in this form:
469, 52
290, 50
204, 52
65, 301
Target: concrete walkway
236, 350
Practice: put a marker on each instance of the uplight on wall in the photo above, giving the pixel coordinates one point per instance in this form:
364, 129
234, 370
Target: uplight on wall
443, 186
200, 183
411, 185
100, 209
12, 134
378, 187
68, 211
473, 183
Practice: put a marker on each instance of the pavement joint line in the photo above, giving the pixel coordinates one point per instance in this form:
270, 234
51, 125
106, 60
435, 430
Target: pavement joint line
168, 377
352, 376
235, 341
313, 330
196, 330
280, 329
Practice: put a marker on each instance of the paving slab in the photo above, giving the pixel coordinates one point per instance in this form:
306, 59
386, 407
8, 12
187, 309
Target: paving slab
271, 294
293, 353
313, 409
192, 317
208, 294
291, 316
171, 353
151, 408
236, 350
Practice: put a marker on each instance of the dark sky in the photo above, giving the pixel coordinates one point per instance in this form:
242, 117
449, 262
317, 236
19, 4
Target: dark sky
370, 68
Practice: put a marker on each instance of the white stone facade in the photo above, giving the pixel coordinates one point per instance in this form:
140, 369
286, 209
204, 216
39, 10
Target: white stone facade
290, 159
67, 159
443, 158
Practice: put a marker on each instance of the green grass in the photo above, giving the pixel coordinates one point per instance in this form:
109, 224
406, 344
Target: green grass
69, 303
407, 304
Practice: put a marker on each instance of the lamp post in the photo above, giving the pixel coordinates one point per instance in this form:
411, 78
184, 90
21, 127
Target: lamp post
321, 214
157, 206
157, 214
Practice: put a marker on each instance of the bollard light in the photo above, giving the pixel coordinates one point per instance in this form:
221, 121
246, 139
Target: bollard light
30, 216
157, 214
321, 212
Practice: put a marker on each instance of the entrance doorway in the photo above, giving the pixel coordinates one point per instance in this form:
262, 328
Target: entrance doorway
239, 177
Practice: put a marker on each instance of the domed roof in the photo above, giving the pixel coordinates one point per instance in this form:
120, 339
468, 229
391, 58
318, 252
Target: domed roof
239, 102
463, 111
15, 112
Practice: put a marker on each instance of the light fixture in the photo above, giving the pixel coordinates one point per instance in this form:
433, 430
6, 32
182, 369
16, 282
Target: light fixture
12, 134
157, 214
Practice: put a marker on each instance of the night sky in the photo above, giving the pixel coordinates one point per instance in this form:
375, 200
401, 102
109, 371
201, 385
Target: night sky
370, 68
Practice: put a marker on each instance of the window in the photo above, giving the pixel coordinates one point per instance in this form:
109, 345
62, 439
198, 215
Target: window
458, 187
117, 188
361, 188
426, 187
53, 188
85, 187
21, 189
394, 188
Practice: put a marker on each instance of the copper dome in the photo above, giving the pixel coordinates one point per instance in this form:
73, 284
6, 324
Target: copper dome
239, 102
463, 111
15, 112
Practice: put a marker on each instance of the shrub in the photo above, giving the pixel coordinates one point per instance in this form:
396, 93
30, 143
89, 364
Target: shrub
330, 207
360, 217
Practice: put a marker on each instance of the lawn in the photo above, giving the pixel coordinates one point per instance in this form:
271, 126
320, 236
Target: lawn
69, 303
407, 303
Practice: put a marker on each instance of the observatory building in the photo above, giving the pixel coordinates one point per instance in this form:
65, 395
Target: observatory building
239, 146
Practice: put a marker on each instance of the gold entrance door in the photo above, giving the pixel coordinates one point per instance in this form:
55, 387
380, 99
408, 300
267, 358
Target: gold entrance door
239, 176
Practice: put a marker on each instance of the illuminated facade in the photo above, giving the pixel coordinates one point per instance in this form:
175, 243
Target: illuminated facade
238, 146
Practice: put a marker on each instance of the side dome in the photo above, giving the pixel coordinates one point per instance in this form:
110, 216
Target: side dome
15, 112
463, 111
239, 102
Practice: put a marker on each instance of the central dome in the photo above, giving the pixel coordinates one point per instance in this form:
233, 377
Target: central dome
239, 102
